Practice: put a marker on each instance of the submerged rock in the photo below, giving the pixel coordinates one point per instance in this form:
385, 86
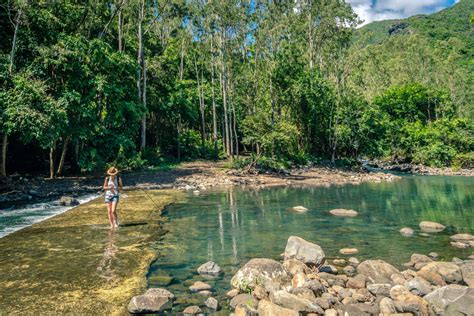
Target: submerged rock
348, 251
407, 232
452, 300
299, 209
462, 237
431, 227
343, 212
258, 271
210, 268
192, 310
304, 251
200, 286
153, 301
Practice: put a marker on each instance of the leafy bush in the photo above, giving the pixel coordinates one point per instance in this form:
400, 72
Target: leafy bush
465, 160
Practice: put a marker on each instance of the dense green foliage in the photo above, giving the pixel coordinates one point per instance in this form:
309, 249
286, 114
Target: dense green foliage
136, 82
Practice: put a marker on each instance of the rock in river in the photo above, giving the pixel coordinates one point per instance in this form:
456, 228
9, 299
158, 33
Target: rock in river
210, 268
431, 227
192, 310
343, 212
462, 237
452, 300
406, 231
68, 201
153, 301
200, 286
348, 251
259, 271
212, 303
300, 209
304, 251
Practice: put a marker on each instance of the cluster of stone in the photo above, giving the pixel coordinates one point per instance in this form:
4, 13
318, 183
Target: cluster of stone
303, 284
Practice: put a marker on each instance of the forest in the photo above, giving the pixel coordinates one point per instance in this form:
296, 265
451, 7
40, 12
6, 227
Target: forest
138, 83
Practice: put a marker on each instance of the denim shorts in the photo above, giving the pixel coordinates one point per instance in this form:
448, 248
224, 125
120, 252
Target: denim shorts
111, 198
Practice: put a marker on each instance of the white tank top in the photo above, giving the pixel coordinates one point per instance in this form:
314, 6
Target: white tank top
112, 184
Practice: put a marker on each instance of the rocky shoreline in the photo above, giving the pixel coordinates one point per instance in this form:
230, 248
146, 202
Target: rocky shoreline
305, 283
188, 176
420, 169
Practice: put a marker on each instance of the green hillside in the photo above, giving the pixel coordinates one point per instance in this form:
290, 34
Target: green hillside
436, 50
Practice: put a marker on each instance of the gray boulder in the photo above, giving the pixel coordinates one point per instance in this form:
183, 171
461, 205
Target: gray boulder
452, 300
209, 268
378, 271
266, 308
467, 270
419, 286
260, 271
293, 302
153, 301
380, 289
212, 303
304, 251
245, 299
450, 272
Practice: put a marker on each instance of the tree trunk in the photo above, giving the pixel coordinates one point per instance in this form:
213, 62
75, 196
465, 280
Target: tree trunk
224, 96
15, 36
120, 30
63, 156
51, 160
3, 171
214, 119
141, 80
143, 133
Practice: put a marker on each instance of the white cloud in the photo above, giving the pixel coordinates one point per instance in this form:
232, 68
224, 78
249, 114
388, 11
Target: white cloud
369, 10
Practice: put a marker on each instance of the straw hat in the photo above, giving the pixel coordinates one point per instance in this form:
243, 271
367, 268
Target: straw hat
112, 171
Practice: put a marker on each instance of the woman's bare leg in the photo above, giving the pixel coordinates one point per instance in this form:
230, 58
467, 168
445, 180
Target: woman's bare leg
110, 212
114, 210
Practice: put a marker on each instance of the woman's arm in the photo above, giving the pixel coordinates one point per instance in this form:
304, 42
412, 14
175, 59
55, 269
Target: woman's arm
105, 187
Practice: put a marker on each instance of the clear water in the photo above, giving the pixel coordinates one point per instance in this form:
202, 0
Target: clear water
232, 226
14, 219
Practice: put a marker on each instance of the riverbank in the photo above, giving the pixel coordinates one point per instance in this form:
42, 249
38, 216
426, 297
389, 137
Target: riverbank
190, 175
74, 264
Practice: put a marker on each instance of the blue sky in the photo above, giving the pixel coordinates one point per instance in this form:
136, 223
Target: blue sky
376, 10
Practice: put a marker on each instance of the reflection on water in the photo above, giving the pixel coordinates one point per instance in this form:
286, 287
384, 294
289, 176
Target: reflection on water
105, 269
232, 226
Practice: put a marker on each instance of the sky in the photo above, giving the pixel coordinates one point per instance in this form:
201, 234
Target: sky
377, 10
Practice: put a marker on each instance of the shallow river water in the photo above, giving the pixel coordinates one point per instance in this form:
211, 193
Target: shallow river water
234, 225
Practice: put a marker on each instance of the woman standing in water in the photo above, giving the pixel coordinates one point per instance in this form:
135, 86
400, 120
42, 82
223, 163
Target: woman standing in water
112, 183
